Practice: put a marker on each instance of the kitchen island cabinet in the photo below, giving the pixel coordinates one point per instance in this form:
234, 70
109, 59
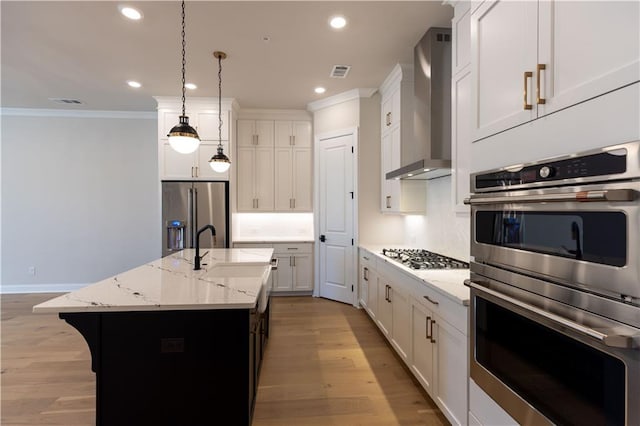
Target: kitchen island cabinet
171, 345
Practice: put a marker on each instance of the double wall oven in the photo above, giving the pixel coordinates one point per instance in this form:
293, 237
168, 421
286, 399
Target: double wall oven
555, 288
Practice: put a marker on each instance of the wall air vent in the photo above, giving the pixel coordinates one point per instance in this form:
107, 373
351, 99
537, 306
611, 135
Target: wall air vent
65, 101
340, 71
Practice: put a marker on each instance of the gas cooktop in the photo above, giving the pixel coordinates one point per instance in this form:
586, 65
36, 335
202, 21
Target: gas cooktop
423, 259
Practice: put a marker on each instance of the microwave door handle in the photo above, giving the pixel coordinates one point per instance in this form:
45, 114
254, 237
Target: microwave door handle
617, 341
580, 196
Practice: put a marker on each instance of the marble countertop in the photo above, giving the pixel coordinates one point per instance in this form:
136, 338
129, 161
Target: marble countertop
229, 279
449, 282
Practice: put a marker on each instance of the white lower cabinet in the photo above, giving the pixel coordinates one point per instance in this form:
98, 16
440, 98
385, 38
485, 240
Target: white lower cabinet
427, 329
295, 266
368, 284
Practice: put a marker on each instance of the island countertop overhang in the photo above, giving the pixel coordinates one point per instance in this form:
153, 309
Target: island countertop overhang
229, 279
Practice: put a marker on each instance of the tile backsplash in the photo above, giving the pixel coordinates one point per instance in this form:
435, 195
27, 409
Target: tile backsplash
442, 229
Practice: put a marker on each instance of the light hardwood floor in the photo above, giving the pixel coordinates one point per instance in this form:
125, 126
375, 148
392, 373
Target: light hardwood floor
325, 364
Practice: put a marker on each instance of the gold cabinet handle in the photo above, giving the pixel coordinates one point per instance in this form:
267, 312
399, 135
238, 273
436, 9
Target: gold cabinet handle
527, 76
539, 68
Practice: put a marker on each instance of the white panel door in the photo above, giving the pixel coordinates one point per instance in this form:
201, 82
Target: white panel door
246, 133
337, 254
208, 126
451, 388
401, 322
461, 137
422, 352
588, 47
301, 132
503, 47
302, 272
283, 134
176, 165
284, 276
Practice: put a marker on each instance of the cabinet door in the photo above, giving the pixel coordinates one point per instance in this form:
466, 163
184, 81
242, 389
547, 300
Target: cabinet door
396, 108
385, 185
372, 301
363, 286
401, 322
451, 361
503, 48
207, 125
283, 136
205, 152
302, 179
301, 133
461, 137
246, 133
394, 185
384, 306
264, 178
422, 352
589, 48
176, 165
303, 272
283, 280
245, 170
387, 106
461, 31
264, 133
284, 179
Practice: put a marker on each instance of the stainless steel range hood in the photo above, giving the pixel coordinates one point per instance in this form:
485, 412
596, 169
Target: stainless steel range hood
432, 107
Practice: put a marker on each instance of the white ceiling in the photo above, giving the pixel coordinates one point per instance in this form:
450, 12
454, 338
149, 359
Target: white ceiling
86, 50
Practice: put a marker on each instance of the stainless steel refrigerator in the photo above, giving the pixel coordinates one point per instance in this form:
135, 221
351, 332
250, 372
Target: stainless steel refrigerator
187, 207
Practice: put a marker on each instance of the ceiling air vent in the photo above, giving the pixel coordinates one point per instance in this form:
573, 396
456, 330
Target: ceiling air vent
65, 101
340, 71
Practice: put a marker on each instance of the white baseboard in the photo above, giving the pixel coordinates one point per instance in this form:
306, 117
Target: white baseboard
40, 288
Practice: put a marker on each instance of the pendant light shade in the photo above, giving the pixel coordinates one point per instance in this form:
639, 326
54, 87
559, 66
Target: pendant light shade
183, 138
220, 163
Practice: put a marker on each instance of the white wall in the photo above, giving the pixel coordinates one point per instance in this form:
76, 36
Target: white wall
80, 197
442, 229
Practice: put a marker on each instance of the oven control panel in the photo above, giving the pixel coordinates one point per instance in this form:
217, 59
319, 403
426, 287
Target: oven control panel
600, 164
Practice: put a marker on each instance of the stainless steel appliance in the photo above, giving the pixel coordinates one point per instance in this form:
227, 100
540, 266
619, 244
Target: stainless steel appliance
424, 259
186, 207
432, 109
555, 287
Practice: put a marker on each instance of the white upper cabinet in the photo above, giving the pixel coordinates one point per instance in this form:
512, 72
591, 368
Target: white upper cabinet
530, 59
461, 105
274, 171
203, 116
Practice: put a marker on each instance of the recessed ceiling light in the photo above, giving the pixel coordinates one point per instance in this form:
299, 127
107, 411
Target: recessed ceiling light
319, 90
131, 13
190, 86
134, 84
338, 22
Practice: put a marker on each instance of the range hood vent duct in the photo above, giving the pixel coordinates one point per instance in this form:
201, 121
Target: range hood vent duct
432, 107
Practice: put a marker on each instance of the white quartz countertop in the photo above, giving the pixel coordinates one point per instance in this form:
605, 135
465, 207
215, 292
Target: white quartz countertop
449, 282
229, 279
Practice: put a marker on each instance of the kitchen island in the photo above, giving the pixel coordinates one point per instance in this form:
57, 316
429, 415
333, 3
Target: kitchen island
174, 346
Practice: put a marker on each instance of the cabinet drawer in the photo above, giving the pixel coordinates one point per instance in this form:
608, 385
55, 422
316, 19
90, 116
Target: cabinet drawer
450, 311
285, 248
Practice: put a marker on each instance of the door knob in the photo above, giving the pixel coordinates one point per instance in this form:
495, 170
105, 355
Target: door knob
323, 238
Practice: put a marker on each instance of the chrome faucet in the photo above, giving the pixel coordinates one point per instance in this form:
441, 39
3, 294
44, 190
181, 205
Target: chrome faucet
197, 259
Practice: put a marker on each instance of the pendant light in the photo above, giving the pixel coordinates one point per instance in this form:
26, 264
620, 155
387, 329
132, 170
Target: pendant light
182, 137
220, 163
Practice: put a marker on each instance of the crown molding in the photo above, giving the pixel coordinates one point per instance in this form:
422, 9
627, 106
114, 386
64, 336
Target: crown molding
274, 114
400, 72
172, 102
340, 98
38, 112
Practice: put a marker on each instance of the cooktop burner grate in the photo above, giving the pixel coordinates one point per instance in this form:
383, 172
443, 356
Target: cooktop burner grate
424, 259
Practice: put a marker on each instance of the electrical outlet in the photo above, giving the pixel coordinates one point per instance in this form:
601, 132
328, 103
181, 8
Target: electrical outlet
31, 270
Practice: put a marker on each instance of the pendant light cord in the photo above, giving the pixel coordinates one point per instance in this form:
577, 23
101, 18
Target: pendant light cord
184, 62
220, 101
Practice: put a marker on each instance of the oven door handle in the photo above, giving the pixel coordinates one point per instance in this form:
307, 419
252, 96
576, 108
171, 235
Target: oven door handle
611, 340
580, 196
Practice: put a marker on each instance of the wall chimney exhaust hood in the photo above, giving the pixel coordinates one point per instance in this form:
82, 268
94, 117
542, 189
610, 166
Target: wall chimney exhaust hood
432, 108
